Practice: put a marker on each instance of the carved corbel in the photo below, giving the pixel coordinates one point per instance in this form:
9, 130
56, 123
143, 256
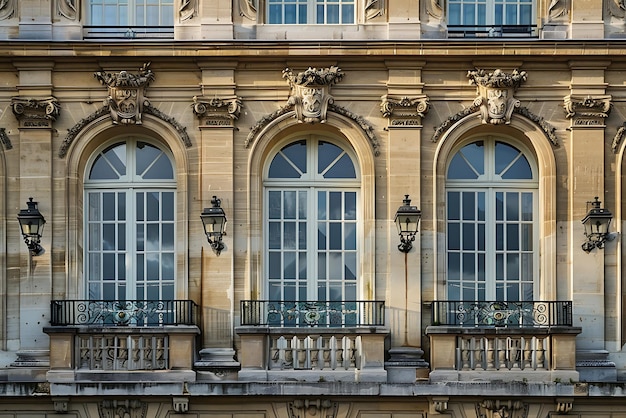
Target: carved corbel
126, 100
310, 92
126, 408
439, 404
564, 405
309, 408
61, 405
501, 409
35, 113
587, 110
496, 94
403, 110
217, 112
180, 404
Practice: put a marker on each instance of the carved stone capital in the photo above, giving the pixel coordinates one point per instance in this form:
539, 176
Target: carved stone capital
217, 112
35, 113
123, 408
403, 110
564, 405
126, 98
496, 94
308, 408
501, 409
310, 92
587, 110
439, 404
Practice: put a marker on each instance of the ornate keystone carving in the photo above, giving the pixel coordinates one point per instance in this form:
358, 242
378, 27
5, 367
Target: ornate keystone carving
404, 111
310, 92
217, 112
587, 110
306, 408
7, 9
187, 10
501, 409
35, 113
495, 94
126, 408
126, 94
564, 405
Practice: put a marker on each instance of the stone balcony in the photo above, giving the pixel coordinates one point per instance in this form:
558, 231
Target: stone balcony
509, 341
312, 341
122, 341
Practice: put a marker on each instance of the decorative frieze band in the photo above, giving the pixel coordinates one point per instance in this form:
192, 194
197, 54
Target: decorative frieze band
404, 110
587, 110
217, 112
35, 113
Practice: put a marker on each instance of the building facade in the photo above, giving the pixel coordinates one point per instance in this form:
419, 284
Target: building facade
319, 130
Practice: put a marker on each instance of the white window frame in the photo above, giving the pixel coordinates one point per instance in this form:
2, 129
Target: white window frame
311, 11
165, 7
311, 185
130, 186
490, 11
490, 186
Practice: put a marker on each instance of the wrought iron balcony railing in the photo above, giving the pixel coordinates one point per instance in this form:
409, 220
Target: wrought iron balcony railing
502, 314
312, 313
492, 31
123, 312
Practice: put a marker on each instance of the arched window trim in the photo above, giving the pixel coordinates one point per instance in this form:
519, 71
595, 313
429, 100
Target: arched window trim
343, 129
530, 134
78, 153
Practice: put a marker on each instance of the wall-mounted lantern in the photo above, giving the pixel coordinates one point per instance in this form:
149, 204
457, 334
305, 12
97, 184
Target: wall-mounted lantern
214, 222
596, 223
407, 220
32, 223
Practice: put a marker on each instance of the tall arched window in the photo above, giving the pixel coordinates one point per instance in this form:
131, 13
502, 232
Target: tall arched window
311, 191
491, 206
129, 222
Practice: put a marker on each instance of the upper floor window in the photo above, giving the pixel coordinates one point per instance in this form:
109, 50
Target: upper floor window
491, 221
311, 11
131, 12
491, 17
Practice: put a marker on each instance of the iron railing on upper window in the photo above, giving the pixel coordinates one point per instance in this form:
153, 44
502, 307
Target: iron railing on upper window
493, 31
312, 313
502, 314
123, 312
128, 32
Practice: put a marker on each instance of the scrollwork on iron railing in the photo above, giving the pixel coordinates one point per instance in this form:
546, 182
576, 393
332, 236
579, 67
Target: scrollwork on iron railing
312, 313
124, 312
502, 314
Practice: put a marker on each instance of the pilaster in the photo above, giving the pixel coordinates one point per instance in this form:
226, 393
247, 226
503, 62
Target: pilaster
217, 111
36, 110
404, 106
587, 108
586, 20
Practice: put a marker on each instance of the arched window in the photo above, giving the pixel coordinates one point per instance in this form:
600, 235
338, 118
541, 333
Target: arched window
491, 223
311, 192
129, 222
